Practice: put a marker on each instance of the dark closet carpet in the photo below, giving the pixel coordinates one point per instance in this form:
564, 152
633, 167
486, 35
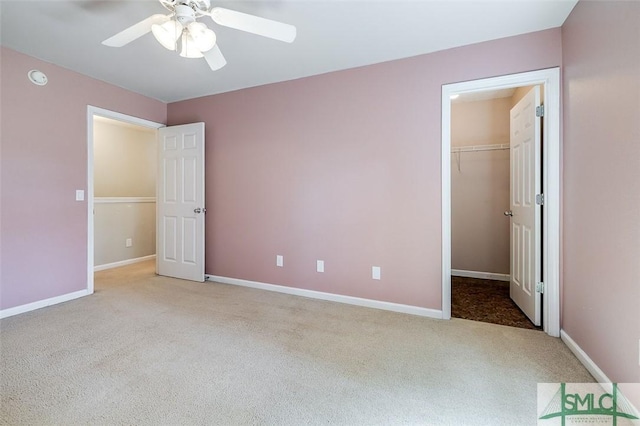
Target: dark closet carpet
486, 301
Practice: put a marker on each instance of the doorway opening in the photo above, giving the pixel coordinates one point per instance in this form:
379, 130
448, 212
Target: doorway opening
547, 257
482, 124
120, 210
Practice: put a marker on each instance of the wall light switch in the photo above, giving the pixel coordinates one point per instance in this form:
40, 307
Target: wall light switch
279, 261
79, 195
128, 242
320, 265
375, 272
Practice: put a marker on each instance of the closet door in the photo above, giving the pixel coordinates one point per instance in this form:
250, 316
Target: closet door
525, 212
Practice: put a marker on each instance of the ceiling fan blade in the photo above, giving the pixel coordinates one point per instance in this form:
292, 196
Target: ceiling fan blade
253, 24
135, 31
214, 58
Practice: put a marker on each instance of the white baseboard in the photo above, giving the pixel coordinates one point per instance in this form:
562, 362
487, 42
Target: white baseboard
596, 372
123, 263
582, 356
42, 303
368, 303
480, 275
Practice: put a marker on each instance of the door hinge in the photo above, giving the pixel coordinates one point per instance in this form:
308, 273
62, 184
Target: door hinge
540, 199
540, 111
540, 288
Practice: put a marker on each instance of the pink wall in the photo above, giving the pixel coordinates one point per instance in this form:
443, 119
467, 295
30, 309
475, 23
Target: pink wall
601, 219
44, 160
342, 167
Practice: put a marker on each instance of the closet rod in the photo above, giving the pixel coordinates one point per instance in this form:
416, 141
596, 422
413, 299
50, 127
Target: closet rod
481, 148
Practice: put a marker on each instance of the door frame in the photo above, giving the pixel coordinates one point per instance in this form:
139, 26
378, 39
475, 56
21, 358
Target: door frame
550, 79
101, 112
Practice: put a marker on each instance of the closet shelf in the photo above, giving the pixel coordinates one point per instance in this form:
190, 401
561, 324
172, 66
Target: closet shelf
475, 148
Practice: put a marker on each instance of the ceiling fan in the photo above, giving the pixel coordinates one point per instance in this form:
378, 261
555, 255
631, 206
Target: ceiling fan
181, 28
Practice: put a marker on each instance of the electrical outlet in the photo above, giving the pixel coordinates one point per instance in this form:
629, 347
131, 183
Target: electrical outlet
128, 242
375, 272
320, 266
279, 261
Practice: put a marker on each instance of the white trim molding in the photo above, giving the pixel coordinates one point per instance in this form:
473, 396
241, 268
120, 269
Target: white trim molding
595, 371
582, 356
550, 79
123, 200
42, 303
480, 275
350, 300
123, 263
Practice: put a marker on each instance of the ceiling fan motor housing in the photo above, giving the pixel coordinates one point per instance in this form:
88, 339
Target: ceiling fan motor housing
184, 14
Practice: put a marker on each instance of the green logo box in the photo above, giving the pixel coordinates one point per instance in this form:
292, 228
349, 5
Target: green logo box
591, 404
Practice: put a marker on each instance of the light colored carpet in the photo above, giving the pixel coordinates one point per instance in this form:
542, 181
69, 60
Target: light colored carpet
152, 350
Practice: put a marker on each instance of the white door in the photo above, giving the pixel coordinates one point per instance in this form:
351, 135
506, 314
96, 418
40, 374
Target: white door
525, 219
180, 201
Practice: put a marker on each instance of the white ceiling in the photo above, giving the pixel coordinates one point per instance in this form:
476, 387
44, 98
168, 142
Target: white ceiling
332, 35
485, 95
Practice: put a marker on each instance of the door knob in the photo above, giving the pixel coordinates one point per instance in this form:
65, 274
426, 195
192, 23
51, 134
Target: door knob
198, 210
508, 213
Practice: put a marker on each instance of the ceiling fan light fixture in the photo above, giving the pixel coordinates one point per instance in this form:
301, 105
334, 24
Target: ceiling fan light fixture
168, 33
195, 38
189, 48
203, 38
